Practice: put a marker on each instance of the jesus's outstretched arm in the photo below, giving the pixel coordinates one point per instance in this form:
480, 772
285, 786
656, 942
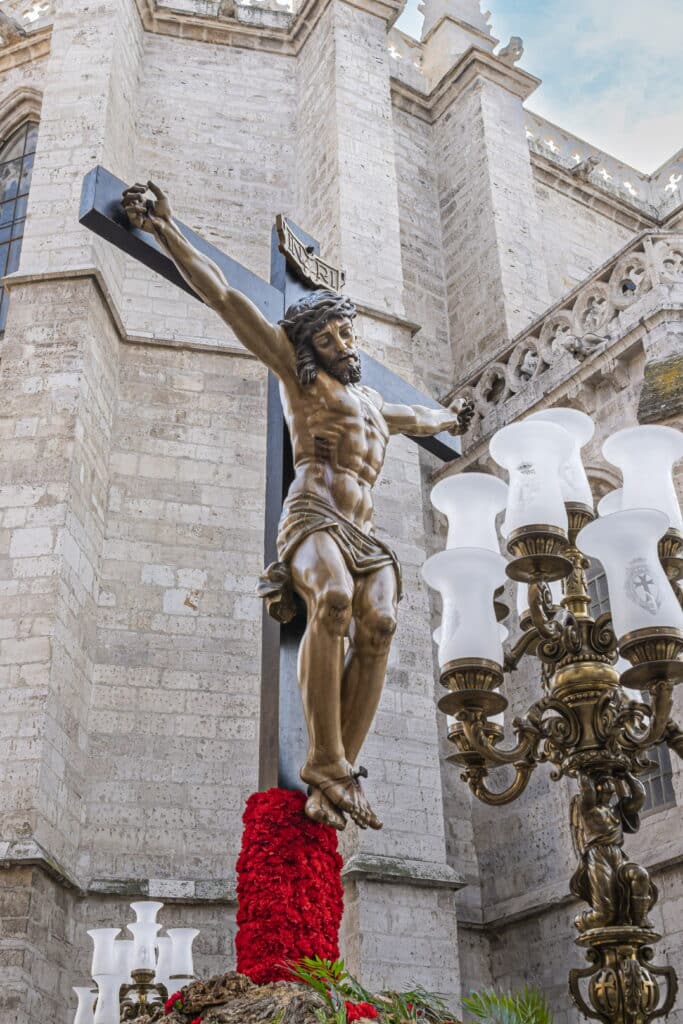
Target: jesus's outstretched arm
266, 341
419, 421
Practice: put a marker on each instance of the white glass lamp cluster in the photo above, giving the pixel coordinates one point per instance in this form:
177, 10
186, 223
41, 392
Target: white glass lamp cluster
547, 484
114, 960
639, 541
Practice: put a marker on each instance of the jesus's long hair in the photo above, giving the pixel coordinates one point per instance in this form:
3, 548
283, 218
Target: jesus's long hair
305, 318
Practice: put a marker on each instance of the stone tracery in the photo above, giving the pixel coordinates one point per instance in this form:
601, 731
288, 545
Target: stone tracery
583, 325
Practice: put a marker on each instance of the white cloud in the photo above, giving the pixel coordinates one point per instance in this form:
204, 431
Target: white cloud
611, 69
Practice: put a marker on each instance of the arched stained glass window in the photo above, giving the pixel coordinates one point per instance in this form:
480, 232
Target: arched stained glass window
16, 165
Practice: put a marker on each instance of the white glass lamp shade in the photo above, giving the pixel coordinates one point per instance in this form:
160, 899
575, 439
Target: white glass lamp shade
107, 1010
640, 594
163, 961
182, 965
103, 957
144, 945
471, 502
85, 1011
466, 579
646, 456
123, 958
612, 502
146, 911
533, 454
573, 479
503, 634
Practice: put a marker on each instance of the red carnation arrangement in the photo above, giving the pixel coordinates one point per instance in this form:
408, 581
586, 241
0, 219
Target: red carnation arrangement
360, 1011
174, 1002
289, 887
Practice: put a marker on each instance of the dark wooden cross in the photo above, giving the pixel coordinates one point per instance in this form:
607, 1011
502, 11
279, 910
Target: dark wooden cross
295, 270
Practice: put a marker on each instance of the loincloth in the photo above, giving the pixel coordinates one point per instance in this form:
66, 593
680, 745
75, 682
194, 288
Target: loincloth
302, 515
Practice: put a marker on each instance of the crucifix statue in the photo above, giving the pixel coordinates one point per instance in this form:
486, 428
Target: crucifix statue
328, 557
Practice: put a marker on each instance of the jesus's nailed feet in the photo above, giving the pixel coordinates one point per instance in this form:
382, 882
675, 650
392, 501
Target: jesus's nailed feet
342, 789
320, 809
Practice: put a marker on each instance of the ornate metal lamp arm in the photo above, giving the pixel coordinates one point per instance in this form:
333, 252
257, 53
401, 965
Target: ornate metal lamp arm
527, 644
481, 739
658, 715
475, 779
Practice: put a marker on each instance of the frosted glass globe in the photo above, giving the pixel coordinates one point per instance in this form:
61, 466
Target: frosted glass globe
533, 454
123, 958
639, 592
107, 1010
573, 479
181, 951
612, 502
144, 944
163, 961
146, 910
85, 1011
471, 501
503, 634
646, 456
466, 579
103, 957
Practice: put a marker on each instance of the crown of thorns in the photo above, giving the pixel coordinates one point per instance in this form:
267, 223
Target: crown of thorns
309, 315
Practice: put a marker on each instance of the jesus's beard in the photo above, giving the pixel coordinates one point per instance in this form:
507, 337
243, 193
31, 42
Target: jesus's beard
346, 369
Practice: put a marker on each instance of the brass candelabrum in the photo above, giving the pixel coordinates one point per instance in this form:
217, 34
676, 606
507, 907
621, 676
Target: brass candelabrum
588, 728
143, 996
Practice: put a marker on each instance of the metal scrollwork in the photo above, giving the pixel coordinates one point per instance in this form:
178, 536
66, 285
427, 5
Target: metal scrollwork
602, 637
588, 728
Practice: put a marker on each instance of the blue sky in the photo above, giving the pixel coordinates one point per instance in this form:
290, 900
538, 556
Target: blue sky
612, 70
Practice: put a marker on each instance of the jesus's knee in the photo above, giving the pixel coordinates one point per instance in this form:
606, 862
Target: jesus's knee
375, 630
332, 608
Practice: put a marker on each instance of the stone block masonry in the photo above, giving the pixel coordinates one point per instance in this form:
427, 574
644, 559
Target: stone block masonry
132, 482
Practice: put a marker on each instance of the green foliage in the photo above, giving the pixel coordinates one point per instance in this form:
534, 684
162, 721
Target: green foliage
333, 982
527, 1007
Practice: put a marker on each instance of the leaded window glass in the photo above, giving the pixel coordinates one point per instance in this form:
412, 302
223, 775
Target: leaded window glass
16, 166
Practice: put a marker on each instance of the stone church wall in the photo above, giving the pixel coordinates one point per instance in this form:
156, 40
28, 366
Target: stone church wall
576, 238
132, 493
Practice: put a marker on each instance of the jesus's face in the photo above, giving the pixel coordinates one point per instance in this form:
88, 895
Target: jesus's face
335, 350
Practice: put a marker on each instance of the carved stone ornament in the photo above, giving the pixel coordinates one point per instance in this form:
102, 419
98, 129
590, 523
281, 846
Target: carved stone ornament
304, 262
588, 322
669, 255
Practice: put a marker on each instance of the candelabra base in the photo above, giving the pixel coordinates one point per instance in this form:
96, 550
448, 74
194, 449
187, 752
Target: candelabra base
143, 996
623, 986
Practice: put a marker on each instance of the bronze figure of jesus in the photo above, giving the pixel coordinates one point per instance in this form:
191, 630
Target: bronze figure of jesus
327, 551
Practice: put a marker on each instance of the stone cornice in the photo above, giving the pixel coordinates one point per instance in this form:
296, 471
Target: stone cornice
473, 64
255, 28
24, 853
401, 871
32, 47
465, 25
227, 348
587, 194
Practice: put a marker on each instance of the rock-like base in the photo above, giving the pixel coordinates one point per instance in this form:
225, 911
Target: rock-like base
234, 999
